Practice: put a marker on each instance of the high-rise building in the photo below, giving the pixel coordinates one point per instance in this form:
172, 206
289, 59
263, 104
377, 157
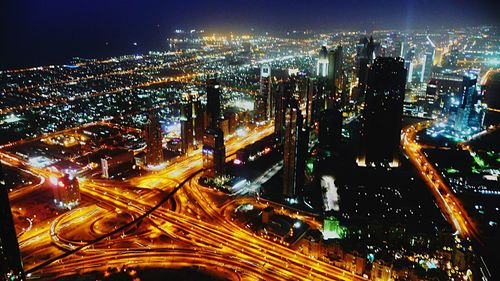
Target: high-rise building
213, 102
450, 60
264, 102
322, 65
330, 129
11, 265
431, 97
67, 192
153, 136
365, 51
294, 150
335, 75
199, 121
213, 153
187, 124
469, 118
428, 61
319, 98
383, 112
283, 94
410, 54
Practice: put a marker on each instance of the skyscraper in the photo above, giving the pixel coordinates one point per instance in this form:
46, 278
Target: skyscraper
213, 153
335, 75
283, 94
383, 112
264, 102
294, 150
186, 120
330, 129
365, 52
428, 60
153, 136
410, 54
213, 102
322, 65
469, 119
199, 121
11, 266
431, 97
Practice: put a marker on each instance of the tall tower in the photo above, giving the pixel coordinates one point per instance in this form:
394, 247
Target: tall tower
199, 121
322, 65
335, 75
153, 136
213, 153
11, 266
283, 94
383, 112
330, 129
363, 60
264, 102
213, 102
467, 117
428, 60
294, 150
186, 120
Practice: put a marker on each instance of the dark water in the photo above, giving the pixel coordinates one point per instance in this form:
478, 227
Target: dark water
62, 50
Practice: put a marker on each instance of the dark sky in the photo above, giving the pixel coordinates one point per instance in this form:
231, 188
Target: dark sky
35, 32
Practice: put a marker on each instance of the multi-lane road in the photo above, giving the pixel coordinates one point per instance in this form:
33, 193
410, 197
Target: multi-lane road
450, 205
199, 231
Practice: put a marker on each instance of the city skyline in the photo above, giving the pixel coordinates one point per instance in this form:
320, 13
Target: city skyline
61, 30
251, 140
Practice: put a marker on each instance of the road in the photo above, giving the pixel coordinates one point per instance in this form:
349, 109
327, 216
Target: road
450, 205
199, 232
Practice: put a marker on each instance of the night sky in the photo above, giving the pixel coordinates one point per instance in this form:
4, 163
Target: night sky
37, 32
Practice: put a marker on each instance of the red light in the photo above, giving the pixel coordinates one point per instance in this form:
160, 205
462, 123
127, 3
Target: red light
60, 184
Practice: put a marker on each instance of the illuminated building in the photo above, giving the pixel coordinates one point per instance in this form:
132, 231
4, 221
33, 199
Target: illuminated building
409, 64
213, 102
232, 119
11, 265
199, 121
428, 60
264, 102
322, 65
335, 79
187, 125
450, 60
383, 112
224, 126
114, 163
294, 150
332, 228
330, 129
381, 271
354, 262
364, 54
319, 98
213, 152
431, 97
67, 192
470, 115
491, 93
153, 136
283, 94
